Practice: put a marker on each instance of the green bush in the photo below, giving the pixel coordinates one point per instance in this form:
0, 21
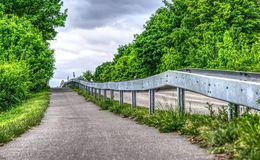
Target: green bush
20, 41
14, 84
106, 104
248, 143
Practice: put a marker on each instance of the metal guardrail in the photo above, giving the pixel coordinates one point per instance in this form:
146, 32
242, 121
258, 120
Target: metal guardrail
238, 88
244, 76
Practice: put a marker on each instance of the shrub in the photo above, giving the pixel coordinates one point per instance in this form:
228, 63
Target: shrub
14, 84
248, 143
20, 41
106, 104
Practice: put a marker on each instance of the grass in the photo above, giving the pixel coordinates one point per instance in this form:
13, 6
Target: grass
238, 139
19, 119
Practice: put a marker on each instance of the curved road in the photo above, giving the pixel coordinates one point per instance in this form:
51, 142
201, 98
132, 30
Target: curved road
74, 129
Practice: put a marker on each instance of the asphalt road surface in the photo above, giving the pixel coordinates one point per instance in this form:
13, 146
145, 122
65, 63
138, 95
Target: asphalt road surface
74, 129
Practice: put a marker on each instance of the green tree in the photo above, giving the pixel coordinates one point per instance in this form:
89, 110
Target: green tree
211, 34
88, 75
123, 50
148, 47
99, 70
45, 15
20, 41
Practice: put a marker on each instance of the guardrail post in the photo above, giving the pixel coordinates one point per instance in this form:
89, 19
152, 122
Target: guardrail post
229, 112
89, 90
80, 86
112, 94
121, 97
237, 110
105, 94
133, 99
233, 111
95, 93
99, 94
151, 100
181, 99
92, 91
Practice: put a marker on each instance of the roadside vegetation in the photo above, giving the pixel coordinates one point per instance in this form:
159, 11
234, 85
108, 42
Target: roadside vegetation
212, 34
17, 120
26, 60
238, 139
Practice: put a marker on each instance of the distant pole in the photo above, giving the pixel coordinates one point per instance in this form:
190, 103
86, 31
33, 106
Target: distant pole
74, 75
68, 78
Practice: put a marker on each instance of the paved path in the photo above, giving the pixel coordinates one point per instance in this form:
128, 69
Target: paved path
74, 129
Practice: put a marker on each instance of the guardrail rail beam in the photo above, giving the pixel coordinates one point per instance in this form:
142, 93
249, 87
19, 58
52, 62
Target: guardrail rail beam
235, 87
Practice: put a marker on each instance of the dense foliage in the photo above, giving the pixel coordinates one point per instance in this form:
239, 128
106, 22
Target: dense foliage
26, 61
88, 76
212, 34
20, 41
45, 15
14, 84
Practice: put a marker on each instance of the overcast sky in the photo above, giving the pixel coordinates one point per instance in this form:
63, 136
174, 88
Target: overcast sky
93, 32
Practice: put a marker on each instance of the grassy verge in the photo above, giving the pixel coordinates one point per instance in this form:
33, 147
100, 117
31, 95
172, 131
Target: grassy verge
18, 119
239, 139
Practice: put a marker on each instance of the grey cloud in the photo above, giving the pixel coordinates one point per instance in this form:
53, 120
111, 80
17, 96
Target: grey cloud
94, 30
96, 13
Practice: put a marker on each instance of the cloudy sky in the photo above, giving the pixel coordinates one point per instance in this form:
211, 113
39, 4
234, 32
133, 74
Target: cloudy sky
94, 30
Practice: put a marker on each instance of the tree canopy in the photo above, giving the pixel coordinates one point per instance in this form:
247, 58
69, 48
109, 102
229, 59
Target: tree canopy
20, 41
26, 61
88, 75
210, 34
45, 15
